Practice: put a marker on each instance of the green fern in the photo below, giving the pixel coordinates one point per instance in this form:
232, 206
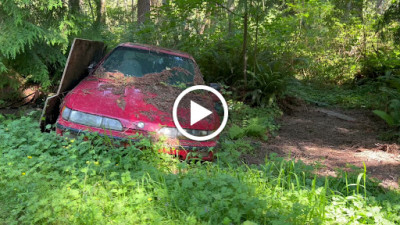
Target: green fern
235, 132
392, 117
385, 116
265, 86
33, 37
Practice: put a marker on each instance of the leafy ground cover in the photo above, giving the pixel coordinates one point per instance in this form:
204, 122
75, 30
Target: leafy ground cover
346, 96
49, 179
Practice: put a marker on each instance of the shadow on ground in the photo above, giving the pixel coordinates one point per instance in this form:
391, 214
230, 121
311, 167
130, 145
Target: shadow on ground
318, 138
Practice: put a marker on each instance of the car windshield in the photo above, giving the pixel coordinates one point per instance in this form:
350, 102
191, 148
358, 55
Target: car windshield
134, 62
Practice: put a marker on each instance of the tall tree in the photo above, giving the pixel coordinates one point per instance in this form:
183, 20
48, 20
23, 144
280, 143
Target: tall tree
245, 24
100, 12
133, 9
231, 8
143, 10
74, 6
206, 19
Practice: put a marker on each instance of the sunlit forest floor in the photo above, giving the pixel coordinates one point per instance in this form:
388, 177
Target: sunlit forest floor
332, 143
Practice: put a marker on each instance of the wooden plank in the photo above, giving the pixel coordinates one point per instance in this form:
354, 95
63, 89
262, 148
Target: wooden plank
337, 115
82, 54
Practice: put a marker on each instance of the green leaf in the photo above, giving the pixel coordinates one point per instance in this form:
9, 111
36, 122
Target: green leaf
236, 132
383, 115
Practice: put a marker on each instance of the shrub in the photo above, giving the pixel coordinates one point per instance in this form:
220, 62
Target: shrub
253, 129
390, 88
235, 132
256, 129
265, 86
393, 117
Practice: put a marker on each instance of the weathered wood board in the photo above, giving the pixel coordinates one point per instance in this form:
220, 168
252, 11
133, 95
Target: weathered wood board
337, 115
82, 54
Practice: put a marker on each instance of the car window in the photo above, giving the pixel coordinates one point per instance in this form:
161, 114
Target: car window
137, 63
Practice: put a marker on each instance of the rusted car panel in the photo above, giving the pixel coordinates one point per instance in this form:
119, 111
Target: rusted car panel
82, 54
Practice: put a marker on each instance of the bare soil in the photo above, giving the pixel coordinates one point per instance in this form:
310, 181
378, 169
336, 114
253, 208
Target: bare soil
314, 137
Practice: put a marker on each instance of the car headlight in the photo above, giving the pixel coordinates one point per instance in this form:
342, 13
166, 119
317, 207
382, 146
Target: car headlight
85, 118
91, 120
169, 132
198, 132
66, 113
112, 124
172, 132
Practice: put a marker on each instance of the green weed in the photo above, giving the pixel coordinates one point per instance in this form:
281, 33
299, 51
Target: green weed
348, 96
49, 179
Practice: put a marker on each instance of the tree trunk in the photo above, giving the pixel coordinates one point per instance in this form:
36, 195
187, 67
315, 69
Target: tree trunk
91, 9
133, 11
74, 6
206, 20
256, 44
364, 40
100, 12
245, 43
379, 7
143, 11
231, 7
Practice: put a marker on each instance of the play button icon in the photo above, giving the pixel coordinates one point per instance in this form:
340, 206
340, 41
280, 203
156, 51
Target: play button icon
197, 112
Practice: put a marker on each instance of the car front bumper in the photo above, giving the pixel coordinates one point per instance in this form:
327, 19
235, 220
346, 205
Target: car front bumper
183, 152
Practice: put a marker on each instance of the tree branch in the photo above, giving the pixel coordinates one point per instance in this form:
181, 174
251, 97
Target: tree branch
227, 9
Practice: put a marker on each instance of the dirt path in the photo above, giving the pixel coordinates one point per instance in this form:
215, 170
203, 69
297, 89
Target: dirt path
332, 142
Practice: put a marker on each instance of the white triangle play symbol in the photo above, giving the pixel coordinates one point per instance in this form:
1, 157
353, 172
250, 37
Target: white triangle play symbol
197, 112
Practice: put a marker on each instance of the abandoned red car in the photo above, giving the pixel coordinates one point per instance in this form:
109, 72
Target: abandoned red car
132, 91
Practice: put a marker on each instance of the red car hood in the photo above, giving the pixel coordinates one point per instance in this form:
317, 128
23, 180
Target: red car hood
128, 104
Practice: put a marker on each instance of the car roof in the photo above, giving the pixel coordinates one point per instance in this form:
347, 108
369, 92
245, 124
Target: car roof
157, 49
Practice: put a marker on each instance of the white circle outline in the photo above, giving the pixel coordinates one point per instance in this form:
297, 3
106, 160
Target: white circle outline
175, 109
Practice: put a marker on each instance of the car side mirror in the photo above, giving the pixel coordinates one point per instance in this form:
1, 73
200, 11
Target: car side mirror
91, 67
216, 86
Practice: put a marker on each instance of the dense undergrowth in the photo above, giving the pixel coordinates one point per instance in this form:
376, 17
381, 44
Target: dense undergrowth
49, 179
366, 96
